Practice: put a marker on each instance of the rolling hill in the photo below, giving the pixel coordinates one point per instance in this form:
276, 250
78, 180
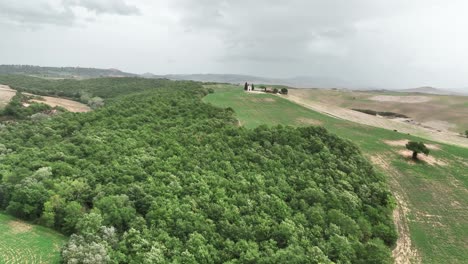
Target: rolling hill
430, 195
430, 90
62, 72
157, 175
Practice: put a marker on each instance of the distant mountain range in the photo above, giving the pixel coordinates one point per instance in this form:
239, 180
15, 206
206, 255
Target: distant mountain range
63, 72
298, 82
430, 90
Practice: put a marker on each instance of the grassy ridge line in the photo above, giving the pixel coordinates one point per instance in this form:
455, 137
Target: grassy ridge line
436, 195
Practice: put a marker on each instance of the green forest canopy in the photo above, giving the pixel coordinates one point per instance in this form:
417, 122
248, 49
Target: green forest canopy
158, 176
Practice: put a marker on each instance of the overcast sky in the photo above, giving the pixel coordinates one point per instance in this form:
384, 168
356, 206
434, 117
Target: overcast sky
381, 43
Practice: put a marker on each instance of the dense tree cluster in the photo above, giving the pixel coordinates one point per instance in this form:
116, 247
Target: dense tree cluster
85, 89
160, 177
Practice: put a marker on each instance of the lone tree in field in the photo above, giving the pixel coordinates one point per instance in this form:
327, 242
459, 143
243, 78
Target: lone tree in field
253, 87
245, 86
417, 147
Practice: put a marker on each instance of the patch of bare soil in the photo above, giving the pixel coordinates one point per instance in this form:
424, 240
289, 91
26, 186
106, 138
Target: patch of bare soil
433, 220
400, 99
6, 93
262, 100
404, 252
425, 158
70, 105
255, 92
439, 125
308, 121
19, 227
403, 142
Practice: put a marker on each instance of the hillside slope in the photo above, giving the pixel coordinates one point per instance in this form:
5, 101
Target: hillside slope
158, 175
431, 195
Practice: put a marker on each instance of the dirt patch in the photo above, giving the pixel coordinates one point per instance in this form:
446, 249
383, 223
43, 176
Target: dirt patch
262, 100
308, 121
6, 93
400, 99
429, 219
439, 125
404, 252
456, 204
70, 105
19, 227
425, 158
403, 142
378, 160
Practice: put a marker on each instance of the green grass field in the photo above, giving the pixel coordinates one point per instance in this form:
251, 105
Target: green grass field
433, 197
21, 242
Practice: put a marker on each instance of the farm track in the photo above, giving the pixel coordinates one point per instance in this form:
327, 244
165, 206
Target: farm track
404, 251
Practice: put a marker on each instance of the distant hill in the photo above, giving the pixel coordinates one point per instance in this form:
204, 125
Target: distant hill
62, 72
220, 78
299, 81
429, 90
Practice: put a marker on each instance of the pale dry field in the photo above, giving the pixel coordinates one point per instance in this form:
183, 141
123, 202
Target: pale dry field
6, 93
331, 108
70, 105
438, 118
440, 112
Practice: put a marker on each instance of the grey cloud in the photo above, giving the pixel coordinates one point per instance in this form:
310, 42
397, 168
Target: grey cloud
286, 29
118, 7
379, 43
364, 39
34, 13
58, 12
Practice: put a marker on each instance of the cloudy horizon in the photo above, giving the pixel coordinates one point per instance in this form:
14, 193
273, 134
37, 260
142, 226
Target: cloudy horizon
385, 44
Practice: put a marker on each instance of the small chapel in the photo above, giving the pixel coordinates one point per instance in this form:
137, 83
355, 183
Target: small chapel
248, 87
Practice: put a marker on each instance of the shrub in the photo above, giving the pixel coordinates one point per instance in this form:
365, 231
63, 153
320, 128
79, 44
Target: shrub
96, 102
284, 90
417, 147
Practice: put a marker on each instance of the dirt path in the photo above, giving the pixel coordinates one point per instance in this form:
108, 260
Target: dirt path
404, 252
390, 124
